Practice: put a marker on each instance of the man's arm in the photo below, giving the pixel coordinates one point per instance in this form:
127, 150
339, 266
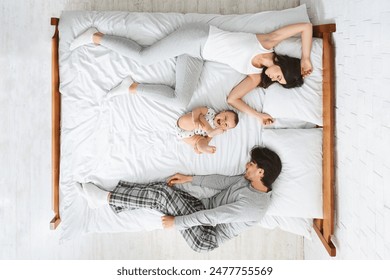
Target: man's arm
216, 182
229, 213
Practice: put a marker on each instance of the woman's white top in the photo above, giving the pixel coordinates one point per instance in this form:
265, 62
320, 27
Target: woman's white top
235, 49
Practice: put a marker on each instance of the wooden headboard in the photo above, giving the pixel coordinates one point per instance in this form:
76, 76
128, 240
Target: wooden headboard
325, 227
56, 126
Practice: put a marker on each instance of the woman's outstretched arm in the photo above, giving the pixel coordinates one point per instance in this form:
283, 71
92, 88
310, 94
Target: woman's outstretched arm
270, 40
243, 88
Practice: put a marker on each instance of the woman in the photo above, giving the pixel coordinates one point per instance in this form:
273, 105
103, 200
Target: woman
249, 54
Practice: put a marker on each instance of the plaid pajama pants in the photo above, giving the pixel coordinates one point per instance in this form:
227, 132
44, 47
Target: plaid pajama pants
159, 196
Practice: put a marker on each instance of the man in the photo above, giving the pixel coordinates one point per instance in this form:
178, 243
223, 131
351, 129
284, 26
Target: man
205, 224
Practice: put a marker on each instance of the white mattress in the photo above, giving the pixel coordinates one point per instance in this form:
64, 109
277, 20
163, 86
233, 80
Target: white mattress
129, 137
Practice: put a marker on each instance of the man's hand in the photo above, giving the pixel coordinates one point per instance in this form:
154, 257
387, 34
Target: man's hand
168, 221
178, 179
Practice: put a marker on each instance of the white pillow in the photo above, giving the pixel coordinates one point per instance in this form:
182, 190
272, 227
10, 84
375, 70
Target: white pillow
303, 103
297, 192
299, 226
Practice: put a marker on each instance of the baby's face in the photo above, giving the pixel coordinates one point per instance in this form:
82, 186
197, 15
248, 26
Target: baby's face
225, 120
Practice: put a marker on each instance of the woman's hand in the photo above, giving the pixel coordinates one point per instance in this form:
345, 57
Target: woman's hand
178, 179
168, 222
265, 119
306, 67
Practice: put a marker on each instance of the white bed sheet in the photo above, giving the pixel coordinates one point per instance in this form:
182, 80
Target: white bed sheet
132, 138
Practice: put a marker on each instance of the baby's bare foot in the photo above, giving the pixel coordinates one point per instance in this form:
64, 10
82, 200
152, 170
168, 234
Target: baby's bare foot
196, 150
210, 150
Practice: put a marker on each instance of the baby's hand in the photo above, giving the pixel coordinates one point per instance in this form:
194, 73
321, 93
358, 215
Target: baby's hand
196, 123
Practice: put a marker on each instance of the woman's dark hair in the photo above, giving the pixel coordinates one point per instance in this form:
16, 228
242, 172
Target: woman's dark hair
269, 161
291, 69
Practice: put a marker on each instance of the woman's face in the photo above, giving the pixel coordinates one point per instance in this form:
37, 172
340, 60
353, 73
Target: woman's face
275, 73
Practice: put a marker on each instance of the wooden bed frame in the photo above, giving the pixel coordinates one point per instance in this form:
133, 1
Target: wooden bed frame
324, 227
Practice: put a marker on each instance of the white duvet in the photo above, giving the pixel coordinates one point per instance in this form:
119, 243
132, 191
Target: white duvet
132, 138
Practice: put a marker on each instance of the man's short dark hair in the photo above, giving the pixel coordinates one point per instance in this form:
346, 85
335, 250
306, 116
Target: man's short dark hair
269, 161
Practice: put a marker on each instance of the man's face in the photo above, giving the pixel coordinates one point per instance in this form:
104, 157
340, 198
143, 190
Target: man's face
253, 173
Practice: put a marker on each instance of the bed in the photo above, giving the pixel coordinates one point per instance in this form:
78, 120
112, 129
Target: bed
102, 140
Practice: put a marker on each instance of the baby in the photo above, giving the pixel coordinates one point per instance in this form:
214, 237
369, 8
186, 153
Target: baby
196, 128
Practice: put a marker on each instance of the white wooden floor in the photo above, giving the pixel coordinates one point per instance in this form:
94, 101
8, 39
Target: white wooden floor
25, 135
362, 187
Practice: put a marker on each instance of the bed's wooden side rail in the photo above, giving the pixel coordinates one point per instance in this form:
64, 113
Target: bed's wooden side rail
56, 119
325, 227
